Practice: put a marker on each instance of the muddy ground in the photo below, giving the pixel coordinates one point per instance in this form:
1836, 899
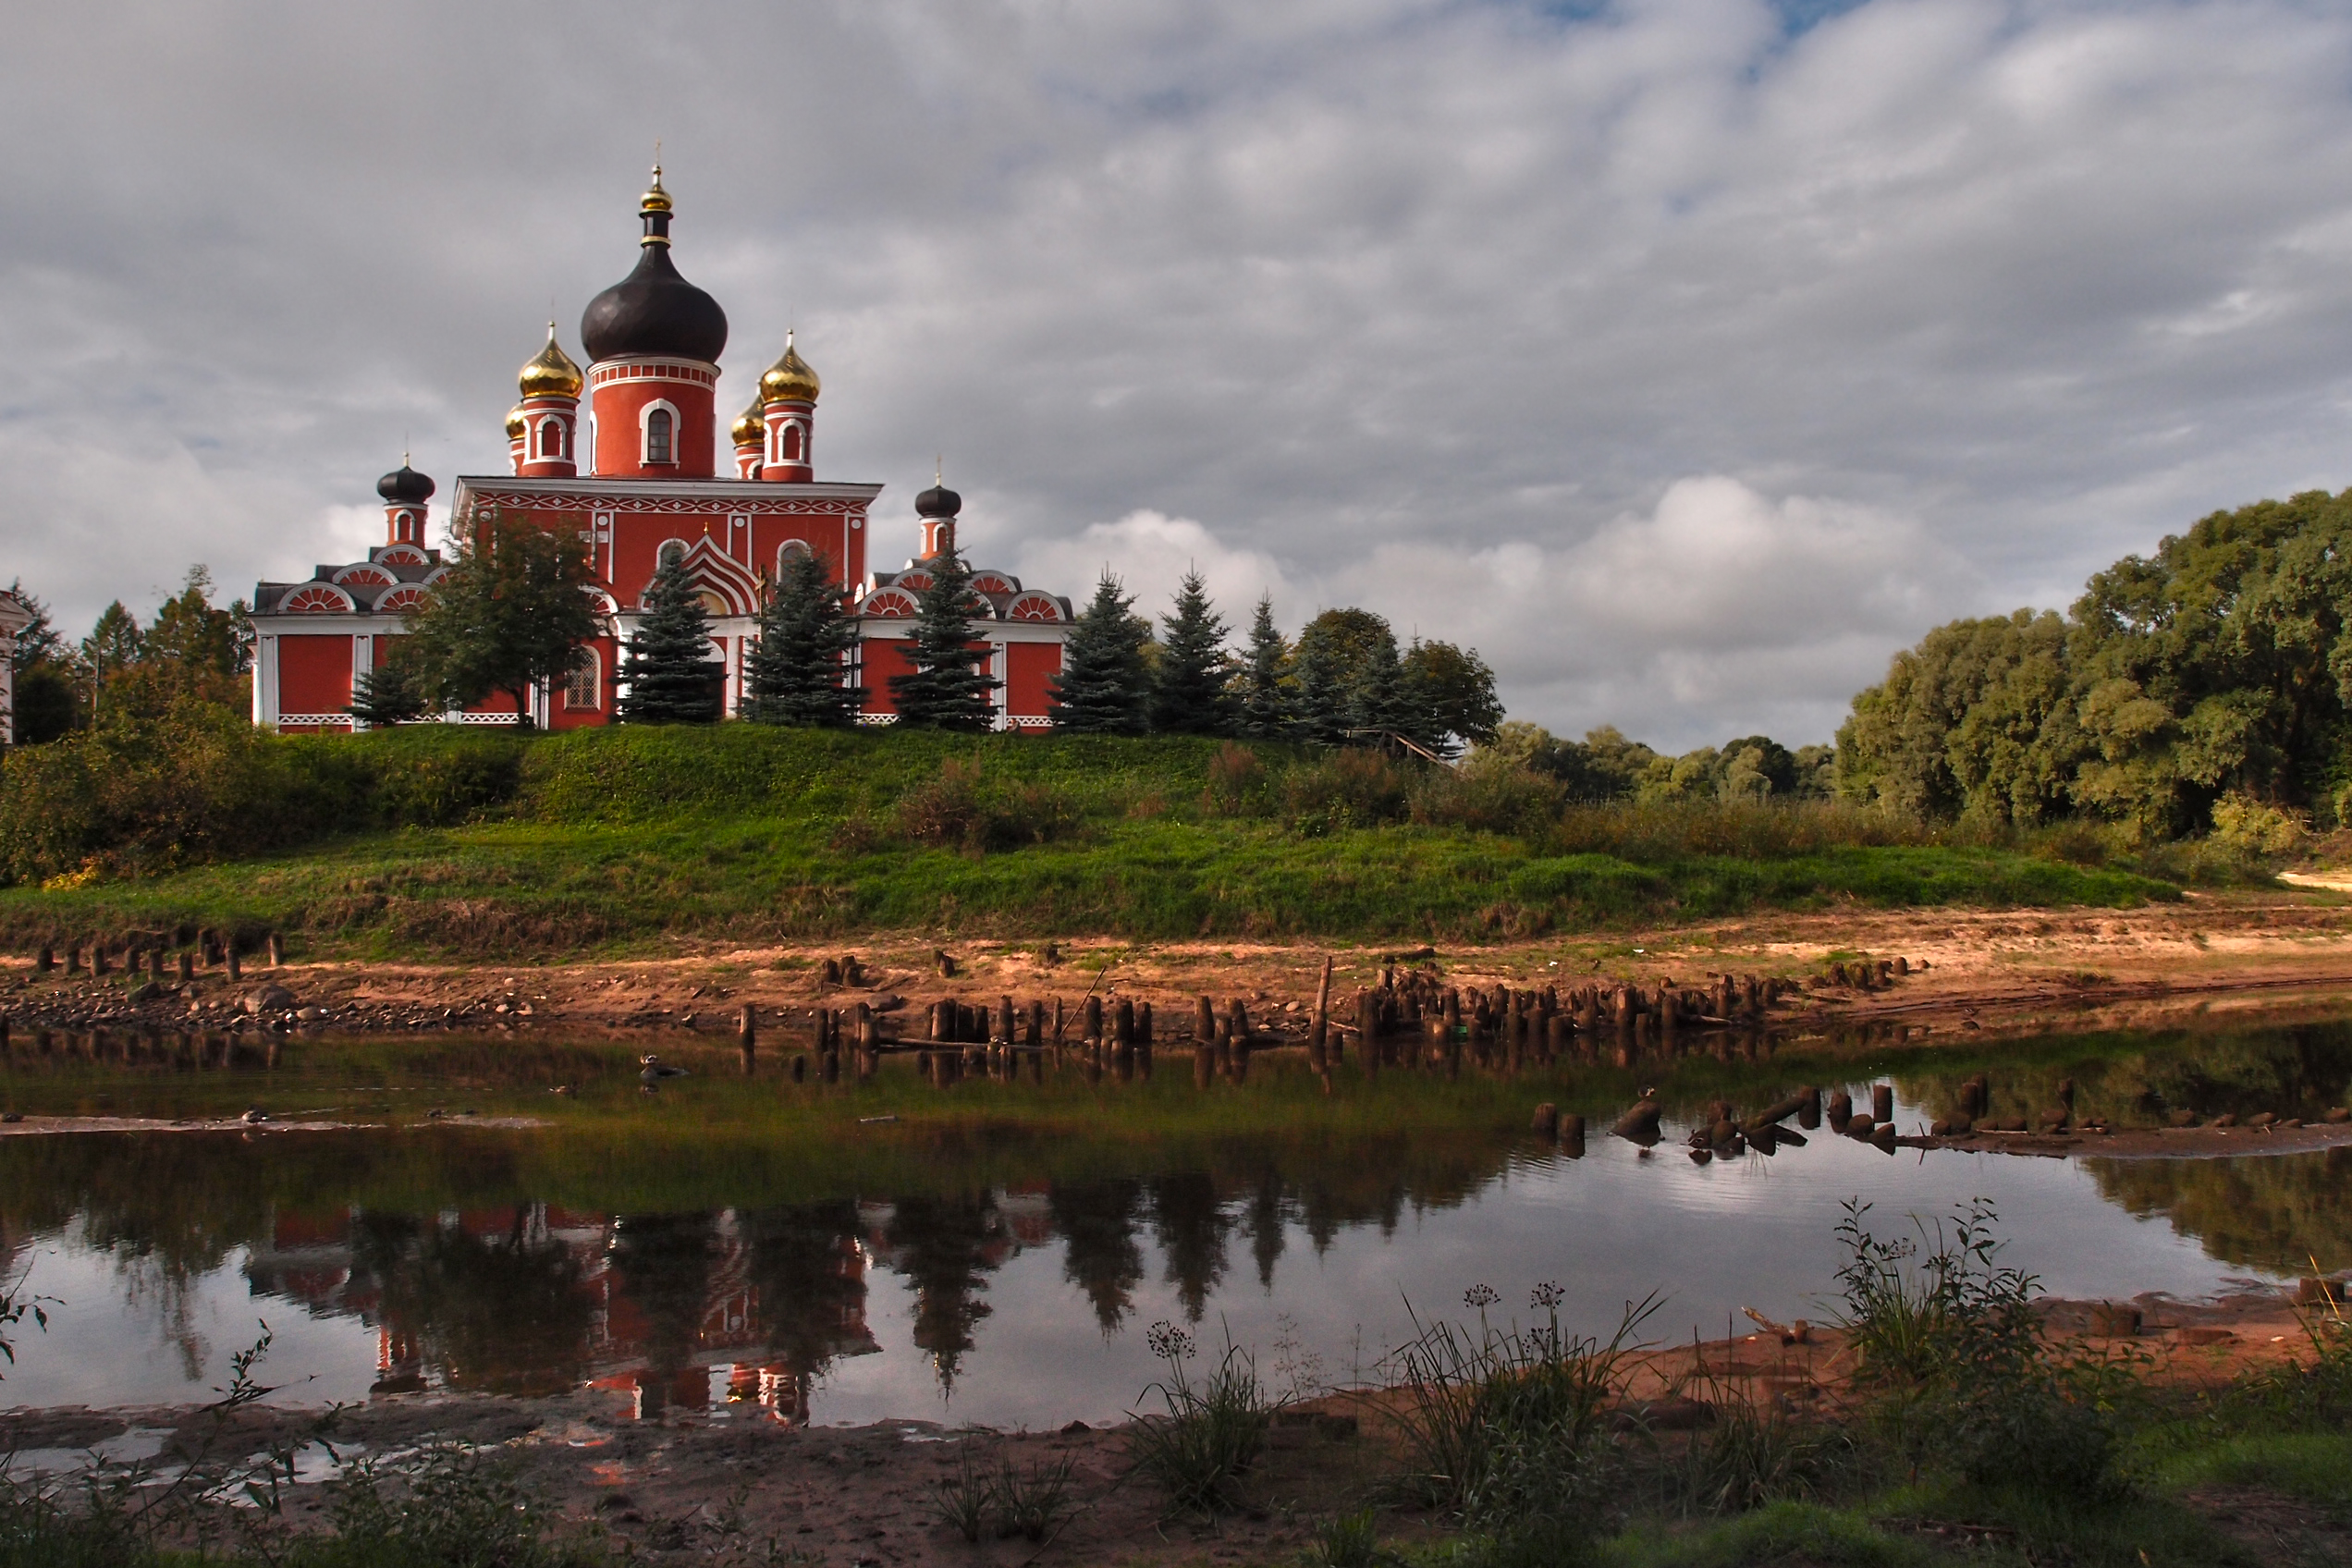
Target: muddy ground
745, 1486
2012, 969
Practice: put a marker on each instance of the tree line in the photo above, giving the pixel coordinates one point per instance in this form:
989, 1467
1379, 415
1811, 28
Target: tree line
513, 610
2201, 685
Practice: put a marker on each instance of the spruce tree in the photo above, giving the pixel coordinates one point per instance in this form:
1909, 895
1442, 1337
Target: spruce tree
389, 694
1267, 708
1191, 690
947, 688
668, 674
796, 668
1103, 689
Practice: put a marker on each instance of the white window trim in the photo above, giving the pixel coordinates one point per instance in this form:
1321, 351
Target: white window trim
645, 432
539, 439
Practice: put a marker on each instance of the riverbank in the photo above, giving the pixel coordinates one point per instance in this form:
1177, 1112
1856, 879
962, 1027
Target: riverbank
745, 1482
2005, 970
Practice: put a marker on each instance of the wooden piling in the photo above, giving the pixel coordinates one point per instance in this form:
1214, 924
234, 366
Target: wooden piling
46, 960
187, 966
1320, 1025
236, 970
277, 951
1882, 1102
1090, 1027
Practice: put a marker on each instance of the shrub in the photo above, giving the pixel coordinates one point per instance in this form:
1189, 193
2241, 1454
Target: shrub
2252, 827
1951, 1353
1348, 788
1236, 782
956, 808
1489, 795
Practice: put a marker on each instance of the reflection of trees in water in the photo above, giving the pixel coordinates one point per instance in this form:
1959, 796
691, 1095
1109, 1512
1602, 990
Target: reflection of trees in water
945, 1247
1265, 1216
2300, 1070
663, 1261
2277, 1212
803, 1262
1190, 1223
1097, 1221
501, 1314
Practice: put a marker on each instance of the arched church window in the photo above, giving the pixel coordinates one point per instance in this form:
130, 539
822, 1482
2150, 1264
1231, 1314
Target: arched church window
791, 443
658, 436
551, 434
790, 551
671, 553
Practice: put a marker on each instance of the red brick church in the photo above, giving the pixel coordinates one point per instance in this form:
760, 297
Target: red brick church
635, 475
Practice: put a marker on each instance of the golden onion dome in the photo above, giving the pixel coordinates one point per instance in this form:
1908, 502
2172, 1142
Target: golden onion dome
515, 424
788, 380
656, 200
551, 373
750, 427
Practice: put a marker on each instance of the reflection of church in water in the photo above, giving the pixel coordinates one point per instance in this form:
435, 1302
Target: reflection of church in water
744, 1309
703, 1311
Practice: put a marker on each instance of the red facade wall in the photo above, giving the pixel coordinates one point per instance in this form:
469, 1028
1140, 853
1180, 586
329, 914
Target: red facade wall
882, 660
314, 673
1028, 667
619, 449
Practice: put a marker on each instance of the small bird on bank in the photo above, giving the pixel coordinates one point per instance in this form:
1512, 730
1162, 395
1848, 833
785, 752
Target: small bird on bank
652, 1070
254, 1116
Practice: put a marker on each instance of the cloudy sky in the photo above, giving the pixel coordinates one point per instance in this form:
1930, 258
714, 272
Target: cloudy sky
1687, 357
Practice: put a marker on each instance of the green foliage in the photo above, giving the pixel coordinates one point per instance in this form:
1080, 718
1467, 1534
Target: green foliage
1190, 695
669, 676
1263, 687
389, 694
1948, 1342
1507, 1427
1208, 1434
1102, 688
1448, 697
1348, 677
2222, 663
508, 616
795, 673
945, 688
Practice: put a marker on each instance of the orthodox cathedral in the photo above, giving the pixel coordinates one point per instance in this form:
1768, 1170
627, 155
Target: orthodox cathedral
634, 475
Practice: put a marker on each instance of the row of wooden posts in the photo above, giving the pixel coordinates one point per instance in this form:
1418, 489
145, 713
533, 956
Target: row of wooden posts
1391, 1023
157, 955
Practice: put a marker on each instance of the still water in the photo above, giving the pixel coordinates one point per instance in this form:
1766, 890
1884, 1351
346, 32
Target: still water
995, 1252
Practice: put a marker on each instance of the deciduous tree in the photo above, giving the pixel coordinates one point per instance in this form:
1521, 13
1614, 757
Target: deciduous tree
508, 617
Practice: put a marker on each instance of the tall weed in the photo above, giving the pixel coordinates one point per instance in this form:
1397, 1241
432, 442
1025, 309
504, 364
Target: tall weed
1507, 1427
1208, 1433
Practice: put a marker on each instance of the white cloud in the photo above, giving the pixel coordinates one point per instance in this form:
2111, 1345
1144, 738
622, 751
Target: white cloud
1149, 553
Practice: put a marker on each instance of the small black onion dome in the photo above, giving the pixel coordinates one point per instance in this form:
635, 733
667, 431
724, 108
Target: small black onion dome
937, 501
654, 310
405, 485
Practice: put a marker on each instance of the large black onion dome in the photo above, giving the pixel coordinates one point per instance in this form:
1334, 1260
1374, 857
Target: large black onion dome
937, 501
654, 310
405, 486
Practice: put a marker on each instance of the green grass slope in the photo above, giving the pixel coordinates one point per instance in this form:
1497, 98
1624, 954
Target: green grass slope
630, 839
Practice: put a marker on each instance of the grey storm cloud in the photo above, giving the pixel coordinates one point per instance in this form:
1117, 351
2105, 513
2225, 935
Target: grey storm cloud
1687, 357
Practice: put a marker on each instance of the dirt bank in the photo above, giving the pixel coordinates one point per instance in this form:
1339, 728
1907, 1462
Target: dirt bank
2009, 970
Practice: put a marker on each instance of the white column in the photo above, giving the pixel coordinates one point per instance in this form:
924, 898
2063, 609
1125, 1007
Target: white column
265, 678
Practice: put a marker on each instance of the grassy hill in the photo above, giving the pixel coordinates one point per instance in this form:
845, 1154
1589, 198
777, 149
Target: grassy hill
472, 844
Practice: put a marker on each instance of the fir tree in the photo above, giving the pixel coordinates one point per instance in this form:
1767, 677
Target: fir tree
1103, 689
1192, 689
669, 673
389, 694
794, 674
947, 688
1267, 710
